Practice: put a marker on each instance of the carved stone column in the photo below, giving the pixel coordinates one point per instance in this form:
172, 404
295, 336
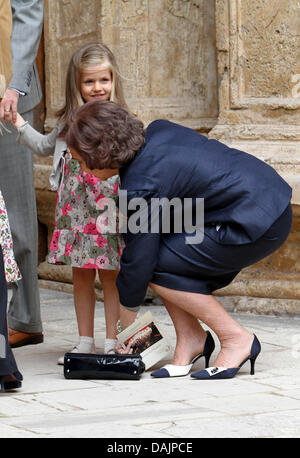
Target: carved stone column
258, 51
166, 53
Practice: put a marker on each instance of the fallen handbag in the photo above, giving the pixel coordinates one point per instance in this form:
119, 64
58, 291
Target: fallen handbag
91, 366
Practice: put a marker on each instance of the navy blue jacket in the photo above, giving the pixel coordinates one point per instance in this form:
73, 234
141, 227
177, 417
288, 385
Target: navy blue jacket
241, 193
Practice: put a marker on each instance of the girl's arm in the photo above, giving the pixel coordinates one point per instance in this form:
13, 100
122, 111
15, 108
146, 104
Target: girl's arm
42, 145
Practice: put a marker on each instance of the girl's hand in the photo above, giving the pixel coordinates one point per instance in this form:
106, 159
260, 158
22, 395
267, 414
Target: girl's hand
19, 122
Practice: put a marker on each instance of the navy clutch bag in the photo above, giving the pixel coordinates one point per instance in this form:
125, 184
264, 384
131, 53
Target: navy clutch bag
115, 366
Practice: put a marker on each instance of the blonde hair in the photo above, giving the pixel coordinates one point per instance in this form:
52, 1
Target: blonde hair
87, 56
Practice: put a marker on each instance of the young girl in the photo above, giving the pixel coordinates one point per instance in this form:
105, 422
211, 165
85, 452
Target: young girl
92, 74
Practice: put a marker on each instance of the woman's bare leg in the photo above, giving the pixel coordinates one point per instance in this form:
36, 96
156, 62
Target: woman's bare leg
189, 333
234, 339
126, 317
84, 299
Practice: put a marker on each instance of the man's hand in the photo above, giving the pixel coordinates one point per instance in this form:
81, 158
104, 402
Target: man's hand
9, 106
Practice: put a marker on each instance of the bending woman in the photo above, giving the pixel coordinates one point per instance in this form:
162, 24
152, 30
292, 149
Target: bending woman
247, 216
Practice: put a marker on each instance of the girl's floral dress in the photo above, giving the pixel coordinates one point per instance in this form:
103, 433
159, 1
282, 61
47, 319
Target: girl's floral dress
79, 238
12, 272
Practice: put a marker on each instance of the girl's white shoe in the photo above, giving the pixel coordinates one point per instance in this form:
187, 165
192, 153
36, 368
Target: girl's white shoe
85, 345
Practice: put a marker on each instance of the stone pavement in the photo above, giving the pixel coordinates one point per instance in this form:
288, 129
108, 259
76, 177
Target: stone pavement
264, 405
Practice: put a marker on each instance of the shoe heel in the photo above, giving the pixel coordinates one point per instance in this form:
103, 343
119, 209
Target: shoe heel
252, 361
207, 358
255, 350
208, 348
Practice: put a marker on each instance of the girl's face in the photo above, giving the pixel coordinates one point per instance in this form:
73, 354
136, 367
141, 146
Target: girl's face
95, 83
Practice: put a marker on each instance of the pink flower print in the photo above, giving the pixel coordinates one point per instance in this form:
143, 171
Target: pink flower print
66, 209
101, 241
91, 179
68, 249
116, 187
77, 228
54, 241
90, 228
80, 178
102, 261
90, 265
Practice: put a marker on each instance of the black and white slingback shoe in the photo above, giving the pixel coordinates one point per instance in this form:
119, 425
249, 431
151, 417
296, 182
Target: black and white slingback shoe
217, 373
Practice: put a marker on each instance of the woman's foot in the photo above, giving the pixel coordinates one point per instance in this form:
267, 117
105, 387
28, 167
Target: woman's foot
223, 372
173, 370
188, 349
234, 349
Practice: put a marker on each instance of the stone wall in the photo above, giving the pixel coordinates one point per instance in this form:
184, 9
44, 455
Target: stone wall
258, 50
229, 68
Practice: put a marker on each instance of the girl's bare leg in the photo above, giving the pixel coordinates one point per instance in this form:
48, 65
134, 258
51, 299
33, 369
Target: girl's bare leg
113, 310
84, 299
234, 339
111, 301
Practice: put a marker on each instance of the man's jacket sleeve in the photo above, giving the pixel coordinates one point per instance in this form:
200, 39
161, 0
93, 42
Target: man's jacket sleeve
26, 34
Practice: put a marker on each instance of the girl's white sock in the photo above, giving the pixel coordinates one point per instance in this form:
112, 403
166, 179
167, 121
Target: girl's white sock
85, 345
110, 345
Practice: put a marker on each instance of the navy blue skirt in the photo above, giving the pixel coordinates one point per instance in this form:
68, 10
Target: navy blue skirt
208, 266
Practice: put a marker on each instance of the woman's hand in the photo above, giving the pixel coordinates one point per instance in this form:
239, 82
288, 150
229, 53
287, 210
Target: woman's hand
122, 350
